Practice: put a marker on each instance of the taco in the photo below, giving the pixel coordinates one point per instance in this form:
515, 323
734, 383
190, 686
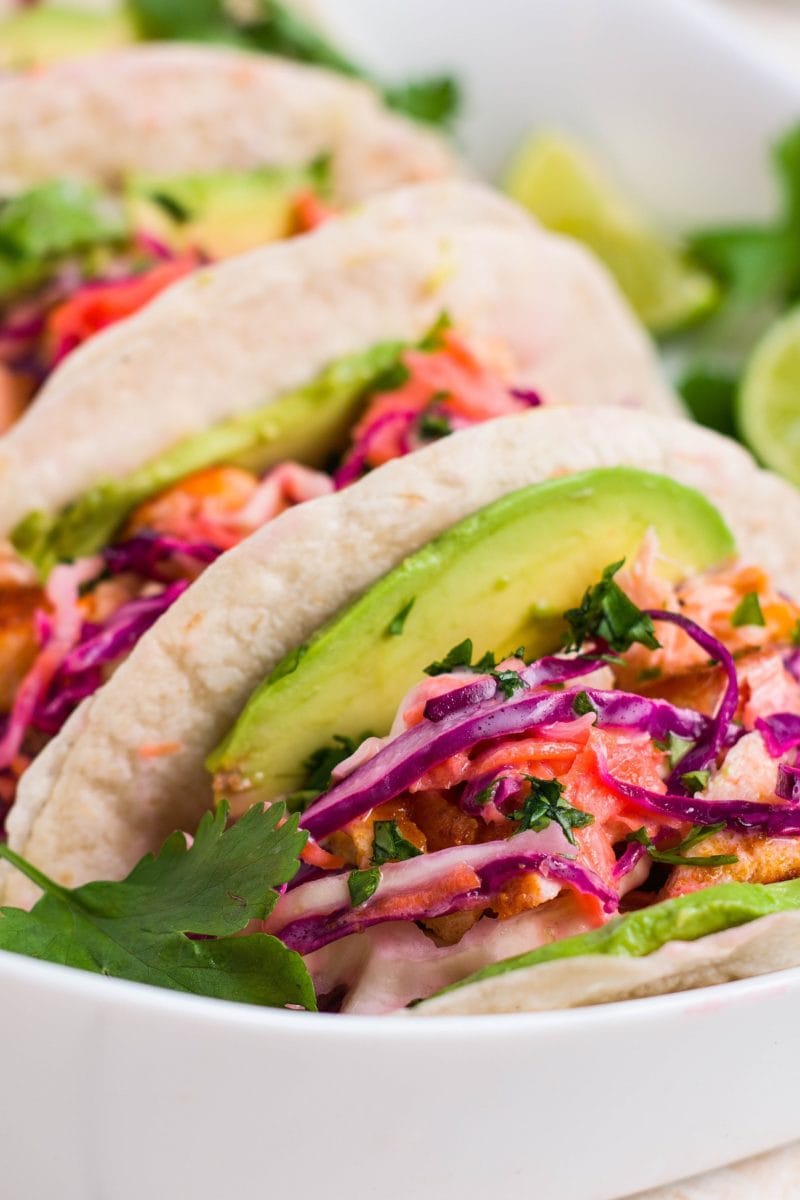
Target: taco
572, 822
263, 382
122, 173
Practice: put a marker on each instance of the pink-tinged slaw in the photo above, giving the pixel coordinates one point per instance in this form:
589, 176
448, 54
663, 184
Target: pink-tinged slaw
169, 539
498, 816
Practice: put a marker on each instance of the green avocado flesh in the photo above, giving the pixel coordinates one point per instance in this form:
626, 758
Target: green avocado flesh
306, 425
224, 212
684, 919
45, 34
503, 577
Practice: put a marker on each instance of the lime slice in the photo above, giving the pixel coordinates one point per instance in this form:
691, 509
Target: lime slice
768, 406
561, 185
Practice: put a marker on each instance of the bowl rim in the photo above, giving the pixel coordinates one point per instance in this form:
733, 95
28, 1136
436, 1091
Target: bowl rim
147, 999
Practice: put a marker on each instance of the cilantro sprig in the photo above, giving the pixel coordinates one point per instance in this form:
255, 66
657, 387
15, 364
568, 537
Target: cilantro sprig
460, 658
677, 856
608, 617
546, 803
139, 928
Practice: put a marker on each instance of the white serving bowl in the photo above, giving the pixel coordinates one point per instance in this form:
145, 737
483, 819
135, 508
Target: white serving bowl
114, 1091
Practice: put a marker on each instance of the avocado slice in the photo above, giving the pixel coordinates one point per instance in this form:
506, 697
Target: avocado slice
46, 34
684, 919
223, 213
306, 425
503, 577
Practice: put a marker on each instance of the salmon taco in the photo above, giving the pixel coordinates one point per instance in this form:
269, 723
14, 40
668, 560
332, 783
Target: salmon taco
530, 697
124, 172
263, 382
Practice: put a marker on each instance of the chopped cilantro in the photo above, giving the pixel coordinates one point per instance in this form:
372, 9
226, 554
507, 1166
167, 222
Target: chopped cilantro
459, 656
363, 884
434, 338
487, 794
397, 623
796, 634
649, 674
139, 928
508, 682
389, 845
695, 781
486, 664
434, 425
676, 747
546, 803
320, 764
607, 616
748, 611
176, 211
582, 705
677, 857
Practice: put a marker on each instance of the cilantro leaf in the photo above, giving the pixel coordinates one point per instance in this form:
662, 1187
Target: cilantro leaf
319, 767
389, 845
582, 705
363, 884
677, 857
459, 656
137, 929
434, 101
695, 781
748, 611
758, 268
434, 425
710, 395
606, 615
397, 623
508, 682
546, 803
676, 747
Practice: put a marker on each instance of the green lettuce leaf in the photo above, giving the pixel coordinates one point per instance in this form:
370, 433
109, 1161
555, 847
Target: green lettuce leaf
51, 222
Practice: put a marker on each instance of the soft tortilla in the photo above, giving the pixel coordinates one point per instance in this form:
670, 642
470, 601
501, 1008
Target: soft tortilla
769, 944
234, 336
90, 805
177, 109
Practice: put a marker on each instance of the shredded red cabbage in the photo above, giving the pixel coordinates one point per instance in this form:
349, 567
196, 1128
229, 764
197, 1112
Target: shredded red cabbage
507, 786
122, 630
787, 786
146, 552
781, 732
720, 732
744, 816
527, 396
405, 759
549, 669
432, 885
356, 462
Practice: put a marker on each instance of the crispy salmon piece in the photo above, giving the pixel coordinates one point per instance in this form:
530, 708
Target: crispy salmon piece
761, 860
18, 641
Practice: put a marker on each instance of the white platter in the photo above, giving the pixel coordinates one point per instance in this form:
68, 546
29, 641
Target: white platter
118, 1092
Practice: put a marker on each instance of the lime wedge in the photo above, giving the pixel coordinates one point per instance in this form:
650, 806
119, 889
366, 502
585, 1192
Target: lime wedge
562, 186
768, 406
